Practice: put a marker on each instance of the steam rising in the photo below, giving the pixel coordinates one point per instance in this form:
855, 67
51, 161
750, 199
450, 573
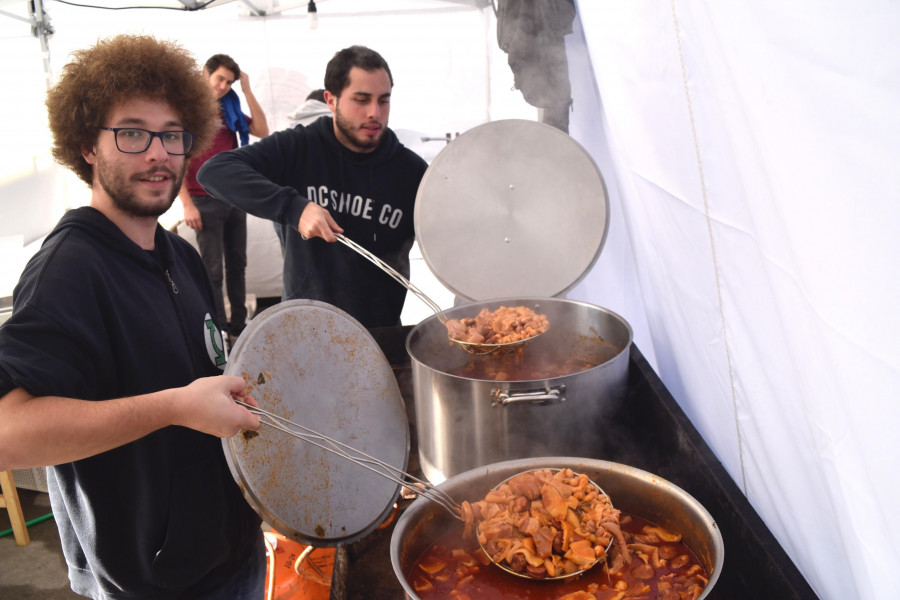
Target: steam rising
533, 34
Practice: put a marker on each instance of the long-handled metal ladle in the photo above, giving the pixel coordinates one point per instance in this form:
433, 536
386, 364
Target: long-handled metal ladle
377, 466
470, 347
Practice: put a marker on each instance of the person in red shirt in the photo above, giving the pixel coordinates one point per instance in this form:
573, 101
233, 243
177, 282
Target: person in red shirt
222, 228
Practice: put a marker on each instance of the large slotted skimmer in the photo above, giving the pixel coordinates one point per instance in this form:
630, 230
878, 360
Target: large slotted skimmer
470, 347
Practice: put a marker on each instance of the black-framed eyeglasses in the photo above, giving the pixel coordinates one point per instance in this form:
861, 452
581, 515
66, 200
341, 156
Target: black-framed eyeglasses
133, 140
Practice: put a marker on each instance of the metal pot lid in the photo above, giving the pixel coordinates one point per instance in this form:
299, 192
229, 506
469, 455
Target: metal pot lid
313, 364
511, 208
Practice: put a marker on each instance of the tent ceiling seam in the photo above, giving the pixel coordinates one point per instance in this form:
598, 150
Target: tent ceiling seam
712, 245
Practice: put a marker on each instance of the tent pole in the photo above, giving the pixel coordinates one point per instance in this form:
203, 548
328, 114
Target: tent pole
41, 29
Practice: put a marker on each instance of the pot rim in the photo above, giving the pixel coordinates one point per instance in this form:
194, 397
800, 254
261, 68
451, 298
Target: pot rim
433, 321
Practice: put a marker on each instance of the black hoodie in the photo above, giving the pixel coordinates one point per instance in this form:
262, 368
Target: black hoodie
96, 317
370, 195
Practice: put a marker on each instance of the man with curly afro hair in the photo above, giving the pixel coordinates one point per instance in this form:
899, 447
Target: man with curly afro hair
110, 365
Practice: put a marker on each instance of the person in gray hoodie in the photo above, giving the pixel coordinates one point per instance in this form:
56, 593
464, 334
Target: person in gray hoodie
312, 108
342, 174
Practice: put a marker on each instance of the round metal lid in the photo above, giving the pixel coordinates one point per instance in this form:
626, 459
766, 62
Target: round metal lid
313, 364
511, 208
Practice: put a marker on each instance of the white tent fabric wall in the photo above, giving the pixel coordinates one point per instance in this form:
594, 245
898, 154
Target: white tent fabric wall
611, 283
754, 148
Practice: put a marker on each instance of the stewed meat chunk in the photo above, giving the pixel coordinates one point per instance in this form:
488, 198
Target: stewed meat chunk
543, 523
502, 326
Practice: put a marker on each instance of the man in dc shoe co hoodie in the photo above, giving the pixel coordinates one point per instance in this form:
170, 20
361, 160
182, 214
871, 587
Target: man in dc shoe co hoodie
347, 173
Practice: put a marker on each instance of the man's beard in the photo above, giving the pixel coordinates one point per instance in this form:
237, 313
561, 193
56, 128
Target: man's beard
120, 189
359, 140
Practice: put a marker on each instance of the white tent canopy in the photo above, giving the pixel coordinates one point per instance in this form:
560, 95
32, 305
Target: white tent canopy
750, 152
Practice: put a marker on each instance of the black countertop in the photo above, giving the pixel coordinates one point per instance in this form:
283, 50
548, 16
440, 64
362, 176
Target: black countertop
651, 433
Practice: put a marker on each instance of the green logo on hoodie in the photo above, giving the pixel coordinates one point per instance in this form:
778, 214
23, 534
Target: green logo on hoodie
215, 347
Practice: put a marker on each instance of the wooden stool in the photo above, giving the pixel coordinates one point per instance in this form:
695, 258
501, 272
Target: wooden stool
10, 499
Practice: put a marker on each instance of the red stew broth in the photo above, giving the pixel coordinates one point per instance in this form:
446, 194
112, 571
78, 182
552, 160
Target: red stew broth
467, 570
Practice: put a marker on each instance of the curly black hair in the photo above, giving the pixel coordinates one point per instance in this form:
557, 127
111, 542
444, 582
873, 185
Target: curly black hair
120, 69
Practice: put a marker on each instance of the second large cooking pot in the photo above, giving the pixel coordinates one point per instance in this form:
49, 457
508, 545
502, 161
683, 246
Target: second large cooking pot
631, 490
464, 422
514, 213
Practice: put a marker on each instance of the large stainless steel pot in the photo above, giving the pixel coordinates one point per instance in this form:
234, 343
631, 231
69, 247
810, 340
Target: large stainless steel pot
514, 212
631, 490
462, 422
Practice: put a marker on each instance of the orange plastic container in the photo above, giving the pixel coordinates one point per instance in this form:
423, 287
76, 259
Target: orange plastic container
297, 571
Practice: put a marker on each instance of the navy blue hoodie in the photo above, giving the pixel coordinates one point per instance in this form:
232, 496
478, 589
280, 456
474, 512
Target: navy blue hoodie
96, 317
370, 195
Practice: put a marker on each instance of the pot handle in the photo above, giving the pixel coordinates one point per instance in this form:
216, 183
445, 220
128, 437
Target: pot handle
501, 398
